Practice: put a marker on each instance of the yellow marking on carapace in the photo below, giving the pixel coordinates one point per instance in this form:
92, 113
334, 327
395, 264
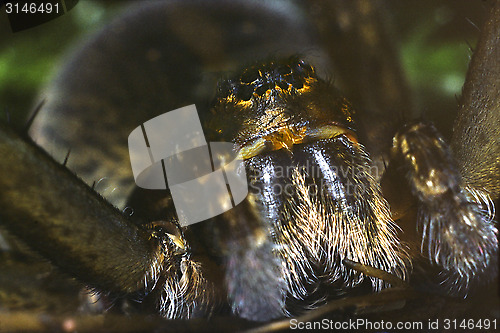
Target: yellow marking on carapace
306, 87
347, 109
230, 98
245, 104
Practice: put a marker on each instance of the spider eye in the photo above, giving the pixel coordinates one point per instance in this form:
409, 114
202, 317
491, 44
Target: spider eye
277, 105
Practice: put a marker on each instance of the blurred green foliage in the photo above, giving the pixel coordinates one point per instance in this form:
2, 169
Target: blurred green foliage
30, 58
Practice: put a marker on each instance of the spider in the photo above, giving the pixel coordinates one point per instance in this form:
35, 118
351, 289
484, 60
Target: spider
321, 187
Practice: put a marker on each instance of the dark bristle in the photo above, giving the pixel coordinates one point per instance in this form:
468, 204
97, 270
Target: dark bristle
33, 115
67, 157
473, 24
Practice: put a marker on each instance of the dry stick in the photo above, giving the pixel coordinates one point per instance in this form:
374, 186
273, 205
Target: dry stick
29, 321
388, 299
476, 133
394, 280
61, 218
368, 303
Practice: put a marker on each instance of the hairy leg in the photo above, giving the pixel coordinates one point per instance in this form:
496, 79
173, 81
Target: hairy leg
456, 220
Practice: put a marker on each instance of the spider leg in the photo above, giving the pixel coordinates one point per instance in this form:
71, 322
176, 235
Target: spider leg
458, 231
255, 284
476, 133
76, 230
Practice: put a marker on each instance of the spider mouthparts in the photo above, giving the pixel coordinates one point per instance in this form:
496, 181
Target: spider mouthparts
173, 231
287, 137
332, 131
177, 241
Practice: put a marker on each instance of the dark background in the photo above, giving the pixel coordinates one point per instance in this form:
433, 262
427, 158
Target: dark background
432, 39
